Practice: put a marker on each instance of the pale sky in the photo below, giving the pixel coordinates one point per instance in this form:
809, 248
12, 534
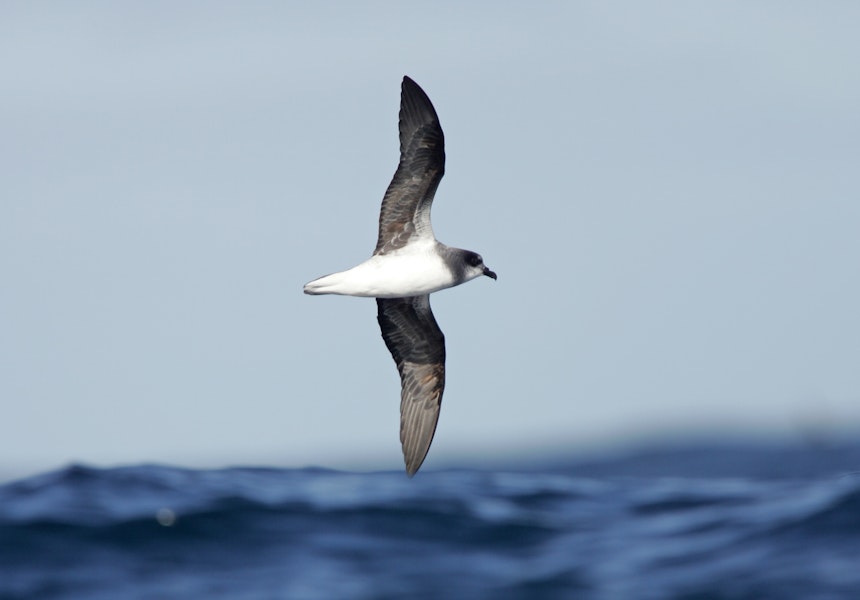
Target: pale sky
669, 192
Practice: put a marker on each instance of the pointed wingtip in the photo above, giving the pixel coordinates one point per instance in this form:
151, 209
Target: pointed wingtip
410, 89
418, 115
413, 461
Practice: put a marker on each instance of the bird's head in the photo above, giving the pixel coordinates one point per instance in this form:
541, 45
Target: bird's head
475, 266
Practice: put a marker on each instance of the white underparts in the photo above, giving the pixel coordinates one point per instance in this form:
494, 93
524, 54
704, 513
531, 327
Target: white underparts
414, 270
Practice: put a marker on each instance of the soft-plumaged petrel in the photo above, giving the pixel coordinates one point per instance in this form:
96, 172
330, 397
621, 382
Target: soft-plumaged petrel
407, 266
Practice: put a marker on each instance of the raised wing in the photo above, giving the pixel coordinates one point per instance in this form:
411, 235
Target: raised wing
418, 347
406, 205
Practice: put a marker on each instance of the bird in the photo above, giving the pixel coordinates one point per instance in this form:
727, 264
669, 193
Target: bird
407, 265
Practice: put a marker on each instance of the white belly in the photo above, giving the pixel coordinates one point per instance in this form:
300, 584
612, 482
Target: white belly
393, 275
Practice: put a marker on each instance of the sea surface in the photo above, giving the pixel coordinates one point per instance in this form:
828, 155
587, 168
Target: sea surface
740, 522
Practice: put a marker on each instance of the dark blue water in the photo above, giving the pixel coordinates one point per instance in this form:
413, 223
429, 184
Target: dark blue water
693, 523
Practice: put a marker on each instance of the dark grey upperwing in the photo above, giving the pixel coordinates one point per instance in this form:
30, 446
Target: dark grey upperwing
418, 347
406, 205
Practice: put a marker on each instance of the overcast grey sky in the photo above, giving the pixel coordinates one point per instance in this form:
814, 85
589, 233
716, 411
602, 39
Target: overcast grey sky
668, 191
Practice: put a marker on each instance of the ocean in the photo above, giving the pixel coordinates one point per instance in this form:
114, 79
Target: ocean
702, 522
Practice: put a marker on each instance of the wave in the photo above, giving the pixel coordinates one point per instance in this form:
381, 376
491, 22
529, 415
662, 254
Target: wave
158, 531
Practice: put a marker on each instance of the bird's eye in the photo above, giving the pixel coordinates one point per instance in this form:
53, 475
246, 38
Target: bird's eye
477, 260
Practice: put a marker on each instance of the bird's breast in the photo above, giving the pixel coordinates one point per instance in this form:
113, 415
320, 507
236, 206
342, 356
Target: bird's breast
399, 275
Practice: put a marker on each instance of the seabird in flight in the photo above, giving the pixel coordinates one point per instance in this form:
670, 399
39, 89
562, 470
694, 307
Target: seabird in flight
407, 266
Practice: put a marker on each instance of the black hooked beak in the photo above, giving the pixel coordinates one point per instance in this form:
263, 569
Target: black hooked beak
489, 273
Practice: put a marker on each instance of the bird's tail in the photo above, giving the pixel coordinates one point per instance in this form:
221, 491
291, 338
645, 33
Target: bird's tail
327, 284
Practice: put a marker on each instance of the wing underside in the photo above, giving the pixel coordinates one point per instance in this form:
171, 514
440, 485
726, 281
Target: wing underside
418, 347
405, 211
